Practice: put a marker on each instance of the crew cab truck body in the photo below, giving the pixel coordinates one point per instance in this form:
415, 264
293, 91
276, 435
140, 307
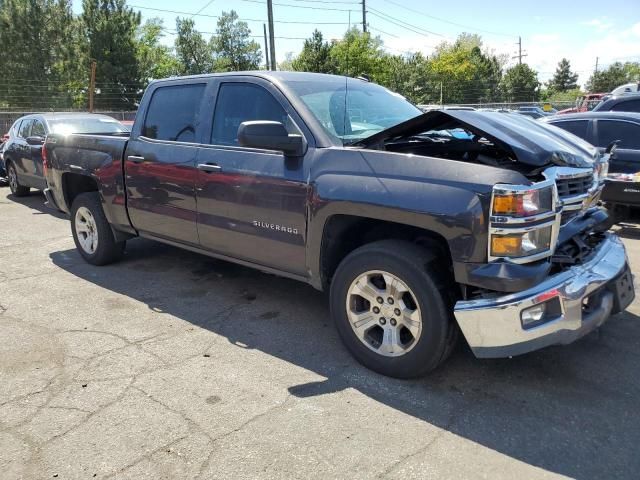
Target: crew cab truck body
419, 225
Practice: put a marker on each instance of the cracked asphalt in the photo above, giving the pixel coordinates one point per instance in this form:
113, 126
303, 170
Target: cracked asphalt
172, 365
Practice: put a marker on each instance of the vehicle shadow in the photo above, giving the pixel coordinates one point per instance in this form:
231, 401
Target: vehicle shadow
35, 201
569, 410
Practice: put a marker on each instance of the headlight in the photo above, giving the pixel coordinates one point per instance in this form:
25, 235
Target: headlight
524, 222
523, 203
522, 244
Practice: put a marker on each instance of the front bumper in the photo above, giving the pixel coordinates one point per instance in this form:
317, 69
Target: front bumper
493, 326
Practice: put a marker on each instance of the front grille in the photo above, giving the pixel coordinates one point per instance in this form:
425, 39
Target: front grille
577, 249
570, 187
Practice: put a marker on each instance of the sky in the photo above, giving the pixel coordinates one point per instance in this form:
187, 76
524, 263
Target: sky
550, 30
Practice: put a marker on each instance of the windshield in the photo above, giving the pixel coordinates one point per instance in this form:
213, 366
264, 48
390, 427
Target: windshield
66, 126
369, 108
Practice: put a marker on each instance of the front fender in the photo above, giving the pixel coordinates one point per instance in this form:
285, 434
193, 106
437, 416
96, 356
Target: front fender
446, 197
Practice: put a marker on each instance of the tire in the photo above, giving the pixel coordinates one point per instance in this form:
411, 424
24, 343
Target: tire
91, 231
12, 176
411, 268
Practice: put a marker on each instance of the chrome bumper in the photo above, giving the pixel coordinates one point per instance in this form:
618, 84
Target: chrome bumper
493, 326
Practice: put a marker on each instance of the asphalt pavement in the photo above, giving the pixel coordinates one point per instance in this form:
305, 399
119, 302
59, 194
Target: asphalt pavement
173, 365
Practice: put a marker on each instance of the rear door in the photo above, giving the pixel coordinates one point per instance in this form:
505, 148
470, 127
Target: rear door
627, 134
160, 162
252, 202
35, 155
21, 155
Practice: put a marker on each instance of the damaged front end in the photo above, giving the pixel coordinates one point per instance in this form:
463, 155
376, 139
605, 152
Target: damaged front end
553, 272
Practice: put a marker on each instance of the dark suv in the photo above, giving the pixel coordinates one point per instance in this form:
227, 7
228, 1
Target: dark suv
22, 152
629, 102
602, 129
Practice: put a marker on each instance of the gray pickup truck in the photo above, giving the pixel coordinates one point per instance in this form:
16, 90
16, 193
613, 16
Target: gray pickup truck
420, 226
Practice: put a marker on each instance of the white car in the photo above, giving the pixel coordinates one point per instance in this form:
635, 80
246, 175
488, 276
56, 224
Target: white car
626, 88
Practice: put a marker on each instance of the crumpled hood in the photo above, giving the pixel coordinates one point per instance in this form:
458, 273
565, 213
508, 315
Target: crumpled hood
532, 142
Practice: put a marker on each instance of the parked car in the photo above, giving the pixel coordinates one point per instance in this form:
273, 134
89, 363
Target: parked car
3, 141
534, 112
633, 87
602, 129
629, 102
584, 103
341, 184
22, 154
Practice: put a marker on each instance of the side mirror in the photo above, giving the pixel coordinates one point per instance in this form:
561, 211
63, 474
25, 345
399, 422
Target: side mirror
271, 136
35, 140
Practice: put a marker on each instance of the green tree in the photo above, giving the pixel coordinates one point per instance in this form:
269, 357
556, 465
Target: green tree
38, 54
232, 45
315, 56
358, 53
563, 79
156, 60
192, 50
616, 74
109, 29
408, 75
520, 84
467, 72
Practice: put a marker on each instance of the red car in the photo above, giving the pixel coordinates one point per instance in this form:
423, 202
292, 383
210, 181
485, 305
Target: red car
584, 103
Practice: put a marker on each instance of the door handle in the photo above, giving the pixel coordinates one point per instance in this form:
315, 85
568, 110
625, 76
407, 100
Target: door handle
209, 167
135, 159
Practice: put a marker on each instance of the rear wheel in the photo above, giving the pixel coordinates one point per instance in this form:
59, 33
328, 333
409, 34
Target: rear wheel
92, 233
391, 308
16, 189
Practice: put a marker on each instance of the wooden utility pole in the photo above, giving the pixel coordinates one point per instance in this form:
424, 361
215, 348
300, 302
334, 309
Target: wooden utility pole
272, 40
596, 65
92, 85
520, 54
364, 16
266, 47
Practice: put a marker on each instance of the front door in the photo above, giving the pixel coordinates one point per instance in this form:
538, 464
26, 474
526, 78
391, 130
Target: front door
251, 203
160, 163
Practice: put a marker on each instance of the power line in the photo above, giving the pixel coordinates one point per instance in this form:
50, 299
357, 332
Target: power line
200, 11
404, 24
178, 12
417, 12
300, 6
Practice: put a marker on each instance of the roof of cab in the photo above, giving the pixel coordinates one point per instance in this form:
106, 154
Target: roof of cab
282, 76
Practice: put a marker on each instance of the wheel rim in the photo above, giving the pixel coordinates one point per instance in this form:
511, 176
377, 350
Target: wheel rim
13, 179
86, 230
384, 313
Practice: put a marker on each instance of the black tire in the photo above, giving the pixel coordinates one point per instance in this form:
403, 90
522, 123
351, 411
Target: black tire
432, 289
107, 250
12, 176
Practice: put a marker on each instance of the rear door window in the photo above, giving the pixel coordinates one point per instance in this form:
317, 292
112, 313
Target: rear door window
630, 106
577, 127
173, 113
25, 128
241, 102
627, 133
37, 129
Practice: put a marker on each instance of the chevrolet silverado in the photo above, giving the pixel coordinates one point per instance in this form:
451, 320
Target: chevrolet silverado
420, 225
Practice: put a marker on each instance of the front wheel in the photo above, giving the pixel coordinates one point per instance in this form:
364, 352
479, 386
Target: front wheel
91, 231
14, 184
391, 309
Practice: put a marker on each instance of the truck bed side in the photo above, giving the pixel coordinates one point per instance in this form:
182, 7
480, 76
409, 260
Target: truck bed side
81, 163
